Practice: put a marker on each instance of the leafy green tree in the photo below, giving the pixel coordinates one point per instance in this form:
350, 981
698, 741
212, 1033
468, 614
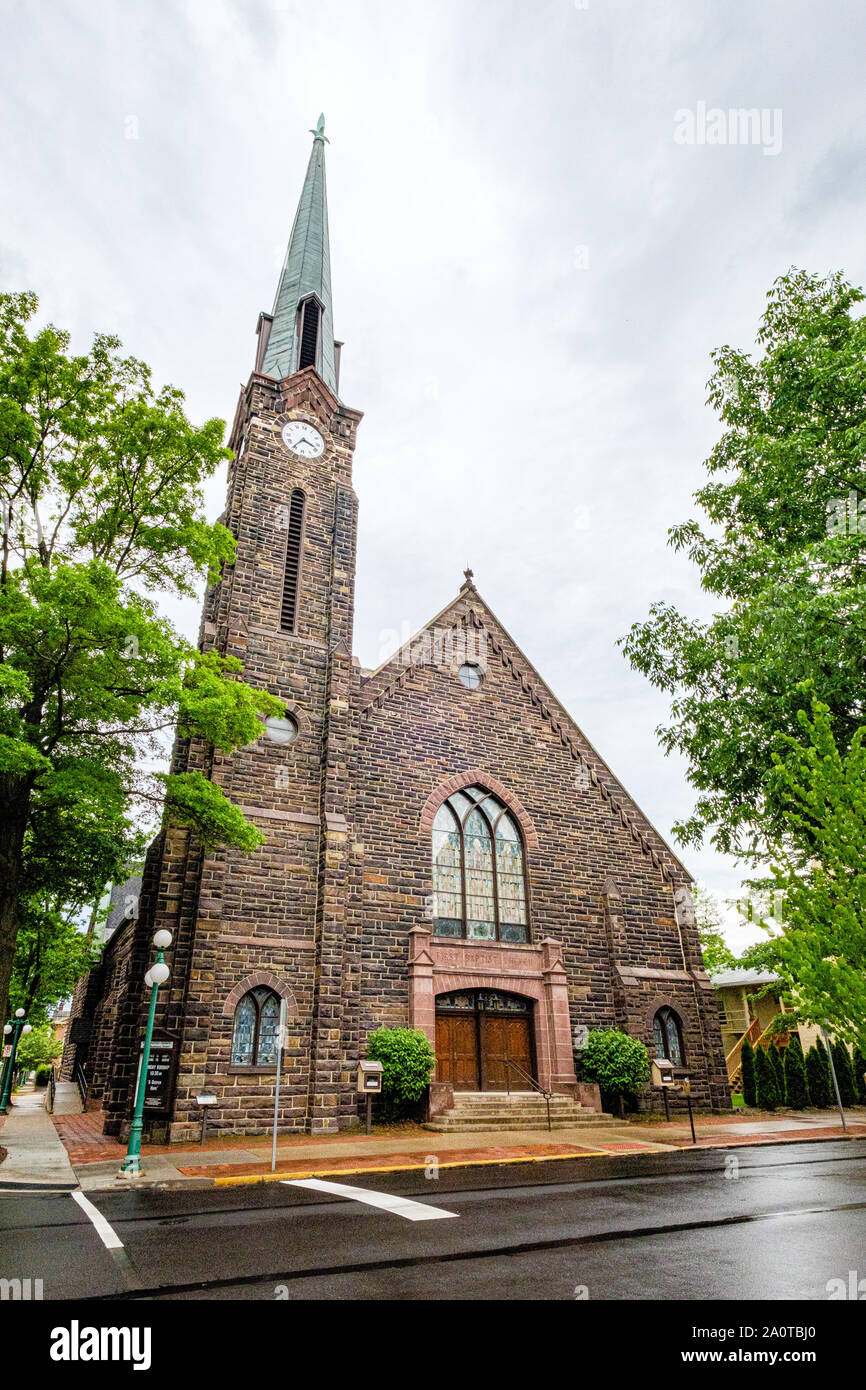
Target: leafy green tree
796, 1084
844, 1073
50, 955
747, 1058
766, 1081
407, 1061
101, 509
717, 954
818, 1076
820, 954
41, 1047
618, 1064
782, 550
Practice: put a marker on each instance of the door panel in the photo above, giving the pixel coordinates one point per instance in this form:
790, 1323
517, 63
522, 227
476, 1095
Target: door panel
457, 1051
503, 1040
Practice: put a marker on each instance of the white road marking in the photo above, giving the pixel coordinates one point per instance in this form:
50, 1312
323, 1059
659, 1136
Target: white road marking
106, 1234
400, 1206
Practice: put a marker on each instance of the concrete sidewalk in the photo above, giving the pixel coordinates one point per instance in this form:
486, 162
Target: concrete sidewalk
35, 1155
70, 1150
233, 1161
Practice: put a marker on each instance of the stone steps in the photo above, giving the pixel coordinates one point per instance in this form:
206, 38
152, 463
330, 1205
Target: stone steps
495, 1110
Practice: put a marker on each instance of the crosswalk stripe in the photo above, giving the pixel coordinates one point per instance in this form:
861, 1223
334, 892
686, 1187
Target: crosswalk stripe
400, 1206
110, 1239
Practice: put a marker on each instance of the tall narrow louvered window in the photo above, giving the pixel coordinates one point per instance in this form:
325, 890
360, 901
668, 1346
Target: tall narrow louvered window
310, 316
291, 583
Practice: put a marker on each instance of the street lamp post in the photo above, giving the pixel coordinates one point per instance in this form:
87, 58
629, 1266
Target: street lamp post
16, 1029
156, 976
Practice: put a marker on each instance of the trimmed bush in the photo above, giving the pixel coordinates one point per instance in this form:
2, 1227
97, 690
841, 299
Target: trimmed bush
844, 1073
796, 1084
860, 1072
775, 1055
42, 1077
407, 1061
747, 1057
619, 1065
766, 1084
818, 1076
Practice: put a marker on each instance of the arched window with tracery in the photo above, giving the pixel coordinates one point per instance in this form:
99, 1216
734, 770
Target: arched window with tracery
668, 1036
479, 879
254, 1038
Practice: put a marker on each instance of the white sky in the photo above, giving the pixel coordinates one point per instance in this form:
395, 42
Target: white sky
538, 418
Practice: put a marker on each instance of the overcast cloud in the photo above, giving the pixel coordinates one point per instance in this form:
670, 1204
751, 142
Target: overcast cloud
529, 271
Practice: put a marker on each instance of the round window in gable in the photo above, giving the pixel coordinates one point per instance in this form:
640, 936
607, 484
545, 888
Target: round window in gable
470, 675
283, 730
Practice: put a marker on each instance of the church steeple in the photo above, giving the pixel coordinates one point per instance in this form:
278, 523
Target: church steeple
300, 330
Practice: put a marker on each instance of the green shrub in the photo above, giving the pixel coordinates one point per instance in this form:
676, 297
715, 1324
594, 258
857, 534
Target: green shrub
747, 1057
818, 1076
774, 1054
766, 1084
796, 1084
860, 1072
618, 1064
844, 1073
407, 1061
42, 1076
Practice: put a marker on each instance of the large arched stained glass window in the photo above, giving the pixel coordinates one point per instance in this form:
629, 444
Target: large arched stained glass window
254, 1040
479, 881
668, 1036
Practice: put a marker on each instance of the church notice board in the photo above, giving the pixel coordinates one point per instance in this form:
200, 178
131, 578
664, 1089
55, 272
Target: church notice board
160, 1073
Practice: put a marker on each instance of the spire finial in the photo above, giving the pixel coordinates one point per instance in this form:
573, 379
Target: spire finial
469, 576
319, 132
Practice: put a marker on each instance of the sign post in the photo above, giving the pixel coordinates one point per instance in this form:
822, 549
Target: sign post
281, 1042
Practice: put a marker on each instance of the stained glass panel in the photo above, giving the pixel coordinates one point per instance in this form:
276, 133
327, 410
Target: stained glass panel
269, 1018
658, 1036
673, 1034
245, 1024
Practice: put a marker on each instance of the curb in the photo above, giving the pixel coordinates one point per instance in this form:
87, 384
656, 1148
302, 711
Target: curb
253, 1179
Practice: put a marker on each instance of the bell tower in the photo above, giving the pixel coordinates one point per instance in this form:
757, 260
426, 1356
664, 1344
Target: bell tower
274, 919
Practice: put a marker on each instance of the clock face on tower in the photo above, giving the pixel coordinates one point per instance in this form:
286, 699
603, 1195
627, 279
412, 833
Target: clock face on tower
303, 439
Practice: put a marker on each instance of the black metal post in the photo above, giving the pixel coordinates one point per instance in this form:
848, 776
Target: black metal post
691, 1117
667, 1105
369, 1114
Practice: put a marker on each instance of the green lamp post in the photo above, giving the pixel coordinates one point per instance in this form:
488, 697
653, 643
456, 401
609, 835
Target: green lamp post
16, 1029
156, 976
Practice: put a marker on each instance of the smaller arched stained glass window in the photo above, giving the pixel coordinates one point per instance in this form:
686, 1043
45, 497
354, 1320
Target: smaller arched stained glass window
668, 1037
254, 1040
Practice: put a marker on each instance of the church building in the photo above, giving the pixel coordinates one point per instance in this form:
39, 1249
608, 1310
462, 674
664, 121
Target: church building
445, 849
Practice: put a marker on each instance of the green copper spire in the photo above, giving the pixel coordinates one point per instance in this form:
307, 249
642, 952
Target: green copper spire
306, 272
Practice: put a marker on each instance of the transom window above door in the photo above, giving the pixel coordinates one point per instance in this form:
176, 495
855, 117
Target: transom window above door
479, 883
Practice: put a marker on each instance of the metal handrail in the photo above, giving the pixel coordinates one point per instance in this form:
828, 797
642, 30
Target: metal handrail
540, 1089
80, 1080
52, 1091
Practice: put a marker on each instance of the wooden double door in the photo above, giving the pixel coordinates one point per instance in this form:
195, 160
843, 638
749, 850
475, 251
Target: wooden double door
478, 1033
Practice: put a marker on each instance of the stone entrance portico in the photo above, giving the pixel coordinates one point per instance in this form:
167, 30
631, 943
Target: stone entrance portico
437, 967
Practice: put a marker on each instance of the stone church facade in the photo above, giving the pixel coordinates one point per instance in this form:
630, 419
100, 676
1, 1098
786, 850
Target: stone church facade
445, 849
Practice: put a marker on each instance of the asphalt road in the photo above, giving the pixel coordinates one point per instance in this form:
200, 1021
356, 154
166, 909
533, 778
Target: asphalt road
754, 1223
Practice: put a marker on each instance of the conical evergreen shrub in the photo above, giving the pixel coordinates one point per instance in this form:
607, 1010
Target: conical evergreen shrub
766, 1085
775, 1055
860, 1072
796, 1083
747, 1059
844, 1073
818, 1076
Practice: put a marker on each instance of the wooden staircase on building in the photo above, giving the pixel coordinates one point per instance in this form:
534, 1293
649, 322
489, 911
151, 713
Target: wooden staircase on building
483, 1111
757, 1036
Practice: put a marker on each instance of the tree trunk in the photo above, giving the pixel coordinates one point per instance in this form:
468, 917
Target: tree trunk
14, 812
